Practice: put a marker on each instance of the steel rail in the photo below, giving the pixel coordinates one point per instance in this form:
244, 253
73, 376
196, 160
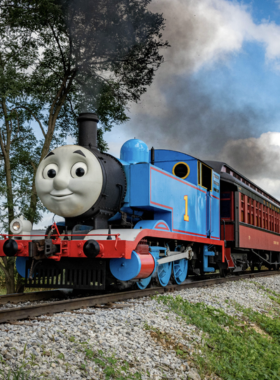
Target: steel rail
15, 298
9, 315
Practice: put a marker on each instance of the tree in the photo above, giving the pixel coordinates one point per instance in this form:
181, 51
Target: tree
17, 159
60, 57
96, 56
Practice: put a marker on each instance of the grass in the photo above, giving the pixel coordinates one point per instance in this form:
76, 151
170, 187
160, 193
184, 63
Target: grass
3, 291
112, 367
233, 348
274, 296
18, 374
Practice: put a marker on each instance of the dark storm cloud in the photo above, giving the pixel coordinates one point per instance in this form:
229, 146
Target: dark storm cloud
197, 121
257, 158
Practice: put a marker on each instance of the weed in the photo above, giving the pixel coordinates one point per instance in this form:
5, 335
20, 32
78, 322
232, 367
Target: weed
112, 367
18, 374
233, 349
83, 367
24, 350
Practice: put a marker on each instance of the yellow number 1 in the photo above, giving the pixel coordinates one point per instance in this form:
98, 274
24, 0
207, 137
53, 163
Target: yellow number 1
186, 217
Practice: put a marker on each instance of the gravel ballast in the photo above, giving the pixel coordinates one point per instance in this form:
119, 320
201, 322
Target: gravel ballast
81, 345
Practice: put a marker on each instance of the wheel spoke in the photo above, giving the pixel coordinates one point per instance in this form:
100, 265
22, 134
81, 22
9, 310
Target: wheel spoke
180, 270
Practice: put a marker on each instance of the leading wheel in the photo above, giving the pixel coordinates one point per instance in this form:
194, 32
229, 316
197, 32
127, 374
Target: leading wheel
180, 270
144, 283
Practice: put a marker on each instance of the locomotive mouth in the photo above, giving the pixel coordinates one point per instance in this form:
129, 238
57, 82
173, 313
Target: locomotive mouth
61, 195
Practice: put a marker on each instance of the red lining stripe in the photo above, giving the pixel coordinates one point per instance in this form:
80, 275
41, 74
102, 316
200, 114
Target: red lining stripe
162, 226
190, 233
177, 179
158, 204
213, 196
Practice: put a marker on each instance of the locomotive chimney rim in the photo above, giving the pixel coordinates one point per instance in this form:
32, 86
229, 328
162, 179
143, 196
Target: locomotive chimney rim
88, 130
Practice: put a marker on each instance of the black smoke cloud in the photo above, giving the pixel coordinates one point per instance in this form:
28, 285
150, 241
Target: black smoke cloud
196, 121
258, 158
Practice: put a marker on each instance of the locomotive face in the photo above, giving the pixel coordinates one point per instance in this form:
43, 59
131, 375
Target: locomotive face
69, 180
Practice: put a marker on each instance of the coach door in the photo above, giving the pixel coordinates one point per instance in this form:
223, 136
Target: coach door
205, 180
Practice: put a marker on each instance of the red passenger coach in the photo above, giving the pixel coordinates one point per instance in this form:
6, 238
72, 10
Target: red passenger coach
249, 221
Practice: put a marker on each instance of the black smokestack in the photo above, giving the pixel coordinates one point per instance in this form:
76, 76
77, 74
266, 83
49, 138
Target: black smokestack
88, 130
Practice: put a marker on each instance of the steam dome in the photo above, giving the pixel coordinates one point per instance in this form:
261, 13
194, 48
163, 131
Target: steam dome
134, 151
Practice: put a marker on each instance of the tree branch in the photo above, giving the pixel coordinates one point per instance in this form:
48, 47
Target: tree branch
35, 117
59, 46
33, 166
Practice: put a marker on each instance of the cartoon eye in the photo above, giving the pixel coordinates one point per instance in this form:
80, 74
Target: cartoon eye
50, 171
79, 170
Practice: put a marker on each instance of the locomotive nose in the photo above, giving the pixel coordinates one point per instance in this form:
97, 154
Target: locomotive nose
60, 182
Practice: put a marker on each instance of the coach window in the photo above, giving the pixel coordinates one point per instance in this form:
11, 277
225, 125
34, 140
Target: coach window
248, 211
242, 208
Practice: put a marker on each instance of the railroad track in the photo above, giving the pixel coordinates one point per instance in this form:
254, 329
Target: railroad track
32, 296
34, 311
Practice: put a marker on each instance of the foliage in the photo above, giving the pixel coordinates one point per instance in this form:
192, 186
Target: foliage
88, 56
58, 58
232, 348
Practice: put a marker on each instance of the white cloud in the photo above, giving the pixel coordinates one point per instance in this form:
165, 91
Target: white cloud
205, 31
201, 34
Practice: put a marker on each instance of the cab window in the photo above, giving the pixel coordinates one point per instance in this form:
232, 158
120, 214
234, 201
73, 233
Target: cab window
204, 176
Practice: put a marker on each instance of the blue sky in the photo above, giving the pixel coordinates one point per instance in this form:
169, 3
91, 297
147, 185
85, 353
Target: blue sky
263, 9
248, 75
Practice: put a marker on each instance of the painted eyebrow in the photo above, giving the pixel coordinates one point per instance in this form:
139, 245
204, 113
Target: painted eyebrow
49, 154
79, 152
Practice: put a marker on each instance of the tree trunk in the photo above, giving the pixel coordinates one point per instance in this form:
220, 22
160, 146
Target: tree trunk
9, 190
9, 273
46, 147
8, 263
54, 112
